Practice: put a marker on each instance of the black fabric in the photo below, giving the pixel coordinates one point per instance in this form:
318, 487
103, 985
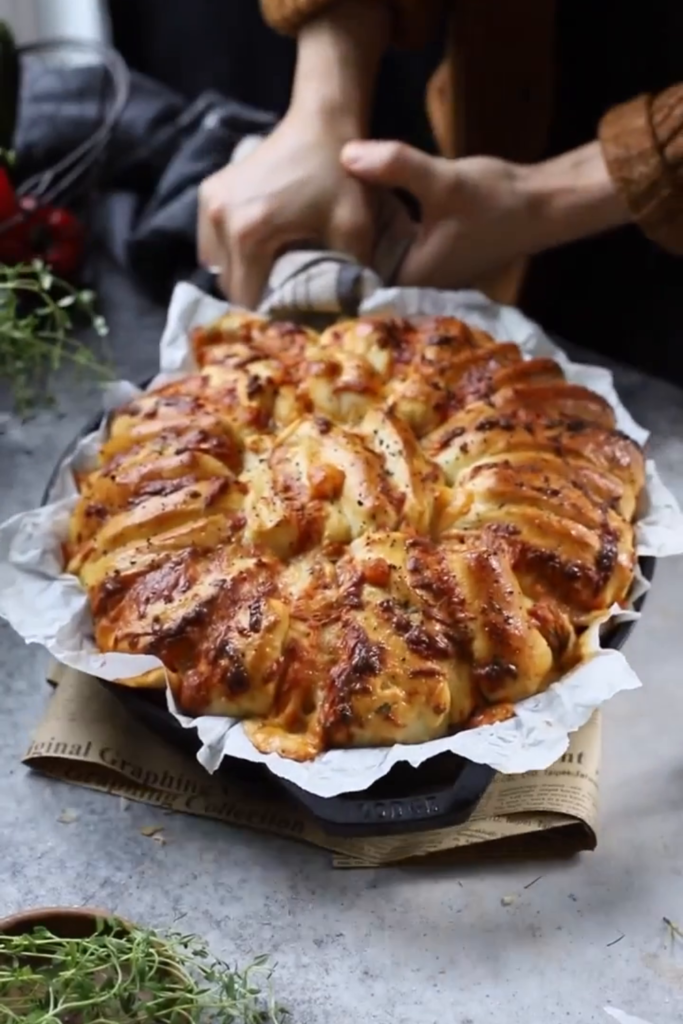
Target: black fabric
195, 45
619, 294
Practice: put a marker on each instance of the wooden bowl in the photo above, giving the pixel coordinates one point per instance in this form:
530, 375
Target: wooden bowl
79, 923
64, 922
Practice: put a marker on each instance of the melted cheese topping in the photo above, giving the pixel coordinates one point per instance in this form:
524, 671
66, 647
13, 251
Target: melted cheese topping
371, 536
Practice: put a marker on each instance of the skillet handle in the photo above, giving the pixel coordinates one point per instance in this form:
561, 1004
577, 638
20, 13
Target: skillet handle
349, 815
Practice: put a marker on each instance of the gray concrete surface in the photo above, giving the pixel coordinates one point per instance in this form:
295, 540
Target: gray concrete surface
399, 946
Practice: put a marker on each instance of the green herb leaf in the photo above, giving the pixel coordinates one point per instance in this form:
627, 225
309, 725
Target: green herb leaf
128, 976
37, 313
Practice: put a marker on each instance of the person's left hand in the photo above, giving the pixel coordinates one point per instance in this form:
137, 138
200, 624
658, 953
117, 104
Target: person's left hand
475, 211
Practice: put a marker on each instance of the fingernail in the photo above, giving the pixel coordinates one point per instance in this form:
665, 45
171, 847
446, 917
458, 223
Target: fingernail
352, 154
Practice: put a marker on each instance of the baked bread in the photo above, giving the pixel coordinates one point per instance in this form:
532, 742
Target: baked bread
371, 536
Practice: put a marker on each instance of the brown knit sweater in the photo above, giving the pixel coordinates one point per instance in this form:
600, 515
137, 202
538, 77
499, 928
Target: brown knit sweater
494, 95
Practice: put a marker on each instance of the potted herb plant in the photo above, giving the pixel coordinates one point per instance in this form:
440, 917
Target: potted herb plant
60, 966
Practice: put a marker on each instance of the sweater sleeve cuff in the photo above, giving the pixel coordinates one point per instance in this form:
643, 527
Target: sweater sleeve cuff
415, 20
642, 142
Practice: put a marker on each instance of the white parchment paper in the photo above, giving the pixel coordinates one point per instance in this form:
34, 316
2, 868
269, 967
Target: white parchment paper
48, 607
623, 1018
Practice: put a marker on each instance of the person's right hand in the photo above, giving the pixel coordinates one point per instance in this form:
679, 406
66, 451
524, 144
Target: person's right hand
291, 190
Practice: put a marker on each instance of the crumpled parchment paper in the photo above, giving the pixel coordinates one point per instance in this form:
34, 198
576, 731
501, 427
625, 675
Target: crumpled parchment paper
48, 607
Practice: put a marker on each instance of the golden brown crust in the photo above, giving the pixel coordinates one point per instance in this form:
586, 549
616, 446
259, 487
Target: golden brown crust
367, 537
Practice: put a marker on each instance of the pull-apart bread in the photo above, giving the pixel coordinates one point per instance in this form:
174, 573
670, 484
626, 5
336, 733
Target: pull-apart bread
375, 535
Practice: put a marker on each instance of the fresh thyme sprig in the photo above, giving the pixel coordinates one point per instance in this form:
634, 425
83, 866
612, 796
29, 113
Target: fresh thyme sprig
37, 319
118, 976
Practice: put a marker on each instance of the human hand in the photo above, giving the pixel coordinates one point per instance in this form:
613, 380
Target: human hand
480, 213
292, 190
474, 210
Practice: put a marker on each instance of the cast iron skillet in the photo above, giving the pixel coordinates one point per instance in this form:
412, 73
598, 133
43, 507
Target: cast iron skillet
442, 792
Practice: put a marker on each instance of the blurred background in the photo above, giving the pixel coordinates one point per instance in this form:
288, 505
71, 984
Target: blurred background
43, 19
617, 295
